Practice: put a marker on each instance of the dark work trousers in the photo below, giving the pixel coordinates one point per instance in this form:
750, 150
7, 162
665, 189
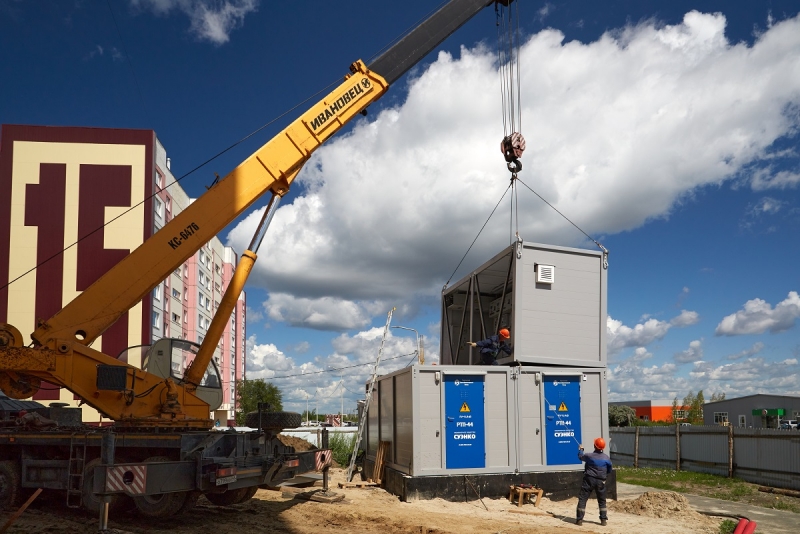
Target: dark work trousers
599, 487
489, 359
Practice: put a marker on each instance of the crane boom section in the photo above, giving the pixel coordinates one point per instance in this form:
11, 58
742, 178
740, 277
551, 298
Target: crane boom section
273, 167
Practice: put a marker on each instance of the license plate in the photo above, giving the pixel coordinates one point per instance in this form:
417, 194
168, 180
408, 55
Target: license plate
226, 480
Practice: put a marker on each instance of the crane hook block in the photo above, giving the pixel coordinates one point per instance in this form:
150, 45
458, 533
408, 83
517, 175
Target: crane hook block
513, 146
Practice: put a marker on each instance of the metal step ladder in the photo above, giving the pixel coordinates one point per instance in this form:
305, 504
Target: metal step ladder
365, 414
77, 464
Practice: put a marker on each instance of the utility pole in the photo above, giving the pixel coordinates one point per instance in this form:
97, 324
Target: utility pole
307, 414
341, 410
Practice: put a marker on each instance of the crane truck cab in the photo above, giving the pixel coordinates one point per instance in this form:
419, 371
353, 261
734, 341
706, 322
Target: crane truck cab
170, 357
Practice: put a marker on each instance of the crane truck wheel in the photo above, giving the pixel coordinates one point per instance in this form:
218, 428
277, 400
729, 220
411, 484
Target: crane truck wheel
274, 420
161, 505
227, 498
94, 503
9, 485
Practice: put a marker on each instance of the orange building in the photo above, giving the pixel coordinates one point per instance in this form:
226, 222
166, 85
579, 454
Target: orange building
654, 410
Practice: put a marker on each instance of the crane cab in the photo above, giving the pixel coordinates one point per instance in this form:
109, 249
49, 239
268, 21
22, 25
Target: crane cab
170, 357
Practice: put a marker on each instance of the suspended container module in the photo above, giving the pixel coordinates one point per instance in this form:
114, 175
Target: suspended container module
552, 299
449, 427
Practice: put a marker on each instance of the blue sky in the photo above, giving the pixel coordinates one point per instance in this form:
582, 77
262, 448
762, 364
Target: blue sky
667, 131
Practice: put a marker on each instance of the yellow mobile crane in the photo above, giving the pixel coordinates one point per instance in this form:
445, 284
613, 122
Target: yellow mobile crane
160, 451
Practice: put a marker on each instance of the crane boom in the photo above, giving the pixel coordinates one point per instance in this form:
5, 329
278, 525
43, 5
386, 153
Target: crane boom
62, 355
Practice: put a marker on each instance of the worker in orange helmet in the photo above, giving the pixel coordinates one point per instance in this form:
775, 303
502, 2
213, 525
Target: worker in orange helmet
598, 466
493, 345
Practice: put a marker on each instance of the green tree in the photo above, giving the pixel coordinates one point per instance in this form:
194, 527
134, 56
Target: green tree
250, 392
675, 409
621, 415
717, 396
696, 409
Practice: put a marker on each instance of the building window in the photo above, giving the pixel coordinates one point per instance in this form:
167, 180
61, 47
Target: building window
178, 271
168, 202
185, 320
720, 417
186, 271
156, 319
176, 294
159, 179
159, 207
157, 292
176, 318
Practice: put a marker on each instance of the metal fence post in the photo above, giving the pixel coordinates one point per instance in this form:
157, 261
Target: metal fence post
636, 449
730, 451
325, 442
677, 447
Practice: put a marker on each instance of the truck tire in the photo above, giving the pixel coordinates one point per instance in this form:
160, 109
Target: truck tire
230, 497
94, 503
249, 494
274, 420
9, 485
161, 505
190, 502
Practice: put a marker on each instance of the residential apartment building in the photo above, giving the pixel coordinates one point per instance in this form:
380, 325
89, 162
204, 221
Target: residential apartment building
60, 184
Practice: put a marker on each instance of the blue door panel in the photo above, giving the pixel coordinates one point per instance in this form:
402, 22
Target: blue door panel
465, 436
562, 395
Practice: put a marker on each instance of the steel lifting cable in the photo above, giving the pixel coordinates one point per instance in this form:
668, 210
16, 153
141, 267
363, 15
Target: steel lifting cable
476, 238
508, 38
599, 245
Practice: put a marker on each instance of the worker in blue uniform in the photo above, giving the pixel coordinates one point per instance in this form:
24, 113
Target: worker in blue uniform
598, 466
492, 346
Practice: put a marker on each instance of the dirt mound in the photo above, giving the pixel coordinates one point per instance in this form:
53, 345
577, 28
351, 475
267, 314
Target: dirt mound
299, 444
655, 504
666, 505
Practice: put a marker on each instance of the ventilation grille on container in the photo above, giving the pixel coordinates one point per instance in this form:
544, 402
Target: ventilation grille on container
545, 274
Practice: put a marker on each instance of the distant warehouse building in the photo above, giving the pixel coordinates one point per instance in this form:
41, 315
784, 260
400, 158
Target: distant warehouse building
654, 410
58, 185
753, 411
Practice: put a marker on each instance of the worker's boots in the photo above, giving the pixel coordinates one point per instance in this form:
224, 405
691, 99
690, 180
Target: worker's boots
579, 522
603, 522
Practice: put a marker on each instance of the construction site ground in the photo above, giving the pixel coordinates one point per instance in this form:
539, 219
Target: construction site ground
368, 510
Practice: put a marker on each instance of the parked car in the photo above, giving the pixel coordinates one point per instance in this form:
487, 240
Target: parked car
789, 425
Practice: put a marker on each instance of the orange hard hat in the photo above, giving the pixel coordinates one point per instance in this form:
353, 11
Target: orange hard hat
505, 333
599, 444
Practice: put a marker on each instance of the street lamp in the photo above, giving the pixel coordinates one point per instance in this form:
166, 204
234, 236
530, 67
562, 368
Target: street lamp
420, 356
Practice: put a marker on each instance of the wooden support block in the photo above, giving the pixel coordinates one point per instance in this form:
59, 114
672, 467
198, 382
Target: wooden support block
320, 496
525, 493
358, 485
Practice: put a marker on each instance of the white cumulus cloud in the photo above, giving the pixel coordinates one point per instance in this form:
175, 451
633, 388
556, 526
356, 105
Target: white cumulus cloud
619, 130
693, 354
620, 336
211, 20
758, 316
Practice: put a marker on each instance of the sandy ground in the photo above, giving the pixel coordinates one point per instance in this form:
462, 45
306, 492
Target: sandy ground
371, 510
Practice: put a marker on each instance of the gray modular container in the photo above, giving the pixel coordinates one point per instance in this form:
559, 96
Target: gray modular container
460, 419
553, 299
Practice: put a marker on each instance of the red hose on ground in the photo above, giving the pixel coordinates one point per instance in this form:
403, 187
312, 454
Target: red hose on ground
741, 526
750, 528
